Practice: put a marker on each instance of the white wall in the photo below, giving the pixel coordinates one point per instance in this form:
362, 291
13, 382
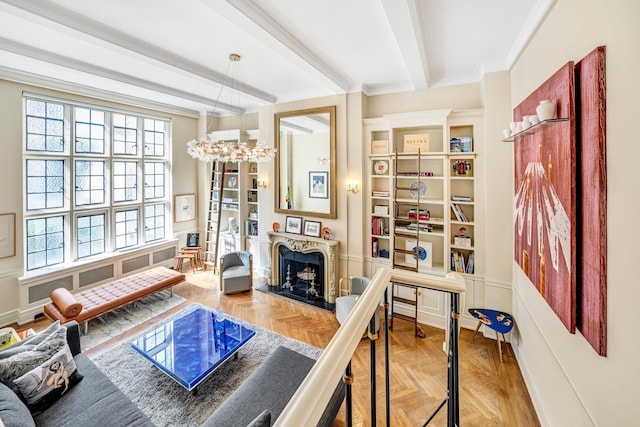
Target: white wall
570, 384
184, 179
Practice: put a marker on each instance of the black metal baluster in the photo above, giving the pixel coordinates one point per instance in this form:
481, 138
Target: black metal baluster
386, 358
347, 378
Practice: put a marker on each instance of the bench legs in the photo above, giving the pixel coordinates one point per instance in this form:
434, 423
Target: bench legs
85, 327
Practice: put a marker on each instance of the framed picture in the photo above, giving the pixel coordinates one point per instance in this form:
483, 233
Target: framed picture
318, 185
7, 235
293, 225
184, 207
312, 228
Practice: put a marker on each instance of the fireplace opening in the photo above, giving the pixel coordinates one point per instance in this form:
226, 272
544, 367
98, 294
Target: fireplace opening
301, 277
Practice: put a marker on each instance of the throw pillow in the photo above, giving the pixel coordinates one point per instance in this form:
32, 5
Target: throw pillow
262, 420
13, 411
30, 342
45, 384
24, 361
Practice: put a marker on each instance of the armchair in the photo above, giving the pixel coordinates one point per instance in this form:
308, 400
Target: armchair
236, 272
344, 304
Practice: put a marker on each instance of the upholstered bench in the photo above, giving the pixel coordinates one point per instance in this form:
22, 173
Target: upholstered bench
94, 302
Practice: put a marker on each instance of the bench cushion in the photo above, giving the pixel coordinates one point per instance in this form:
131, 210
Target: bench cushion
105, 298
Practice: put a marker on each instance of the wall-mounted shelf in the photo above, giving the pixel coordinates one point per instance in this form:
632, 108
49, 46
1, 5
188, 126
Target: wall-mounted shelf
534, 128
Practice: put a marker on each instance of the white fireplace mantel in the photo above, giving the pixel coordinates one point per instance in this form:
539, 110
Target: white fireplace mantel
306, 244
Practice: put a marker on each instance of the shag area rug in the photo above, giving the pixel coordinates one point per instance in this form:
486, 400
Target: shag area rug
118, 321
166, 402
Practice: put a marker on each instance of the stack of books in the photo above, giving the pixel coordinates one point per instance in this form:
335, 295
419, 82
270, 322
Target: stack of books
380, 193
457, 210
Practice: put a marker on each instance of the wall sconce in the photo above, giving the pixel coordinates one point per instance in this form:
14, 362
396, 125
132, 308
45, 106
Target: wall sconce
352, 187
262, 183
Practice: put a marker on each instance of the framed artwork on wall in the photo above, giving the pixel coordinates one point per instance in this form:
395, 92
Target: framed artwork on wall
7, 235
184, 207
293, 225
318, 185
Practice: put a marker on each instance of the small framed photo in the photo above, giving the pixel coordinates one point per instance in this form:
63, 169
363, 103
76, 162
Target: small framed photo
312, 228
293, 225
318, 185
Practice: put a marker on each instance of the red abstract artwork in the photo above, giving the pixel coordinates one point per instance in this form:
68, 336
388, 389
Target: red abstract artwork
545, 196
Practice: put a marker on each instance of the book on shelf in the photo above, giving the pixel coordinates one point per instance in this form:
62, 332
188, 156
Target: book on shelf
457, 210
470, 263
461, 199
380, 193
380, 146
466, 144
457, 262
377, 226
454, 145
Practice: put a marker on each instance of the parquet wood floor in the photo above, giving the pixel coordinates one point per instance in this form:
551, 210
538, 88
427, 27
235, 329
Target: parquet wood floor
491, 393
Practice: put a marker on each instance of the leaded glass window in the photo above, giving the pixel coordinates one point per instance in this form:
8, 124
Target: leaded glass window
91, 235
90, 182
126, 225
45, 126
45, 184
125, 181
45, 242
154, 137
125, 135
154, 222
154, 180
90, 131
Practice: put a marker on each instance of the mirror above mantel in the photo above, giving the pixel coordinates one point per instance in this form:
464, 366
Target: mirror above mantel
305, 166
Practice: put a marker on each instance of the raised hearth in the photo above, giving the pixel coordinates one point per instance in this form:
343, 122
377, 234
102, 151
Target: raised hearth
303, 268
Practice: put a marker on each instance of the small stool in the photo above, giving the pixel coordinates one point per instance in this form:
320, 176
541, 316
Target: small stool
499, 321
180, 260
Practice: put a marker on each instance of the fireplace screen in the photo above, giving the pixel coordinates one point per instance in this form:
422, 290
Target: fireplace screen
302, 274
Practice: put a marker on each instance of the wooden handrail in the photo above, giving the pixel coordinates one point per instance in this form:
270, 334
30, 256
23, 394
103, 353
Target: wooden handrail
310, 400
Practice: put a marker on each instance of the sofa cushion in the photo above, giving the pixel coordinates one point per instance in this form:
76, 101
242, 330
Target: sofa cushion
30, 342
262, 420
271, 387
13, 412
94, 400
22, 362
46, 383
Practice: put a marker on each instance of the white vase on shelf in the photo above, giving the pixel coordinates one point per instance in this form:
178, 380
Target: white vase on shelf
546, 110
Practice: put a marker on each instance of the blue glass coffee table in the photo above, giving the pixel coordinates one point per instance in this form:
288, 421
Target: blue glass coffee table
192, 344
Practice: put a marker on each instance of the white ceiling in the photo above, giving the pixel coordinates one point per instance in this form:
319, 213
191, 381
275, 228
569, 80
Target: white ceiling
174, 53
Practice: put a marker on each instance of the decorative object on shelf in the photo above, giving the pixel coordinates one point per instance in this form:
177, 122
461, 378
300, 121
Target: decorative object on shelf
319, 185
418, 189
380, 167
423, 251
380, 146
533, 119
293, 224
327, 233
234, 228
546, 110
506, 133
232, 182
414, 143
275, 226
312, 228
253, 168
208, 149
461, 167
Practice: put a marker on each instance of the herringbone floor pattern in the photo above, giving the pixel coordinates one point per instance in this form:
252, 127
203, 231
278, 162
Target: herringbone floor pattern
492, 393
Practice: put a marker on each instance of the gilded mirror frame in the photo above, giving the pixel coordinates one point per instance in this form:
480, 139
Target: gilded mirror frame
332, 214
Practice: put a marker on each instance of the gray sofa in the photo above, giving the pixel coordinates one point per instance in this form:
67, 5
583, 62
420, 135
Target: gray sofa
96, 401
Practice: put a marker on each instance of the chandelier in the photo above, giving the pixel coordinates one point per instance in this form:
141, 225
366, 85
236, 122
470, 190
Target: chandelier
209, 149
